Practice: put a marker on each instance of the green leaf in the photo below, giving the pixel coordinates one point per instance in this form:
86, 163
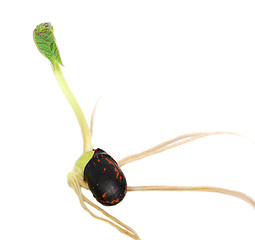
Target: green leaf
46, 43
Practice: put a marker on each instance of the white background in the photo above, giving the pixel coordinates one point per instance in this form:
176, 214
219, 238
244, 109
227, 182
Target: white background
161, 68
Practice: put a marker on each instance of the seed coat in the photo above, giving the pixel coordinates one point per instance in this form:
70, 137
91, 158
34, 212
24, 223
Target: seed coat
105, 179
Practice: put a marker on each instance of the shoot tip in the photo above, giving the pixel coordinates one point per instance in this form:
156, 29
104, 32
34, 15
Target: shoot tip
45, 41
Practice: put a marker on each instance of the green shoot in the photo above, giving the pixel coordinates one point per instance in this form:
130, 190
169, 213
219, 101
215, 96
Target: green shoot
46, 43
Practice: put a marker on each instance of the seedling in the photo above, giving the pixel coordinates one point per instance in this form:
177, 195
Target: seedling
97, 171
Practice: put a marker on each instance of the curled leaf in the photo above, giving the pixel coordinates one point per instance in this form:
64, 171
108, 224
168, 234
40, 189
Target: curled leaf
46, 43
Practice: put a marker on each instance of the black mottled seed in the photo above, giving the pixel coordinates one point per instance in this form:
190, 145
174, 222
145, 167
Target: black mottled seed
105, 179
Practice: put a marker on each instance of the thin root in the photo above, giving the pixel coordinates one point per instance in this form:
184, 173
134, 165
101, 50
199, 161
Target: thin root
75, 183
171, 144
240, 195
93, 116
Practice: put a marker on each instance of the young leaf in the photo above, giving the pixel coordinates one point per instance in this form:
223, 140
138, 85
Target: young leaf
46, 43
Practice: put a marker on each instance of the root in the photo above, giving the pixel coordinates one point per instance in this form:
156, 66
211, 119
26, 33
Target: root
239, 195
171, 144
93, 116
75, 183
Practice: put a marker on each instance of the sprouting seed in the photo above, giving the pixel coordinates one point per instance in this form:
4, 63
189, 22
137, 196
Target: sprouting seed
96, 170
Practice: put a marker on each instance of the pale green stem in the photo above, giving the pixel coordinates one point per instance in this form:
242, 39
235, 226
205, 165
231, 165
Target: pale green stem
87, 145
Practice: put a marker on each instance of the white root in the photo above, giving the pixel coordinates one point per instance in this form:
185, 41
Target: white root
76, 184
240, 195
173, 143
